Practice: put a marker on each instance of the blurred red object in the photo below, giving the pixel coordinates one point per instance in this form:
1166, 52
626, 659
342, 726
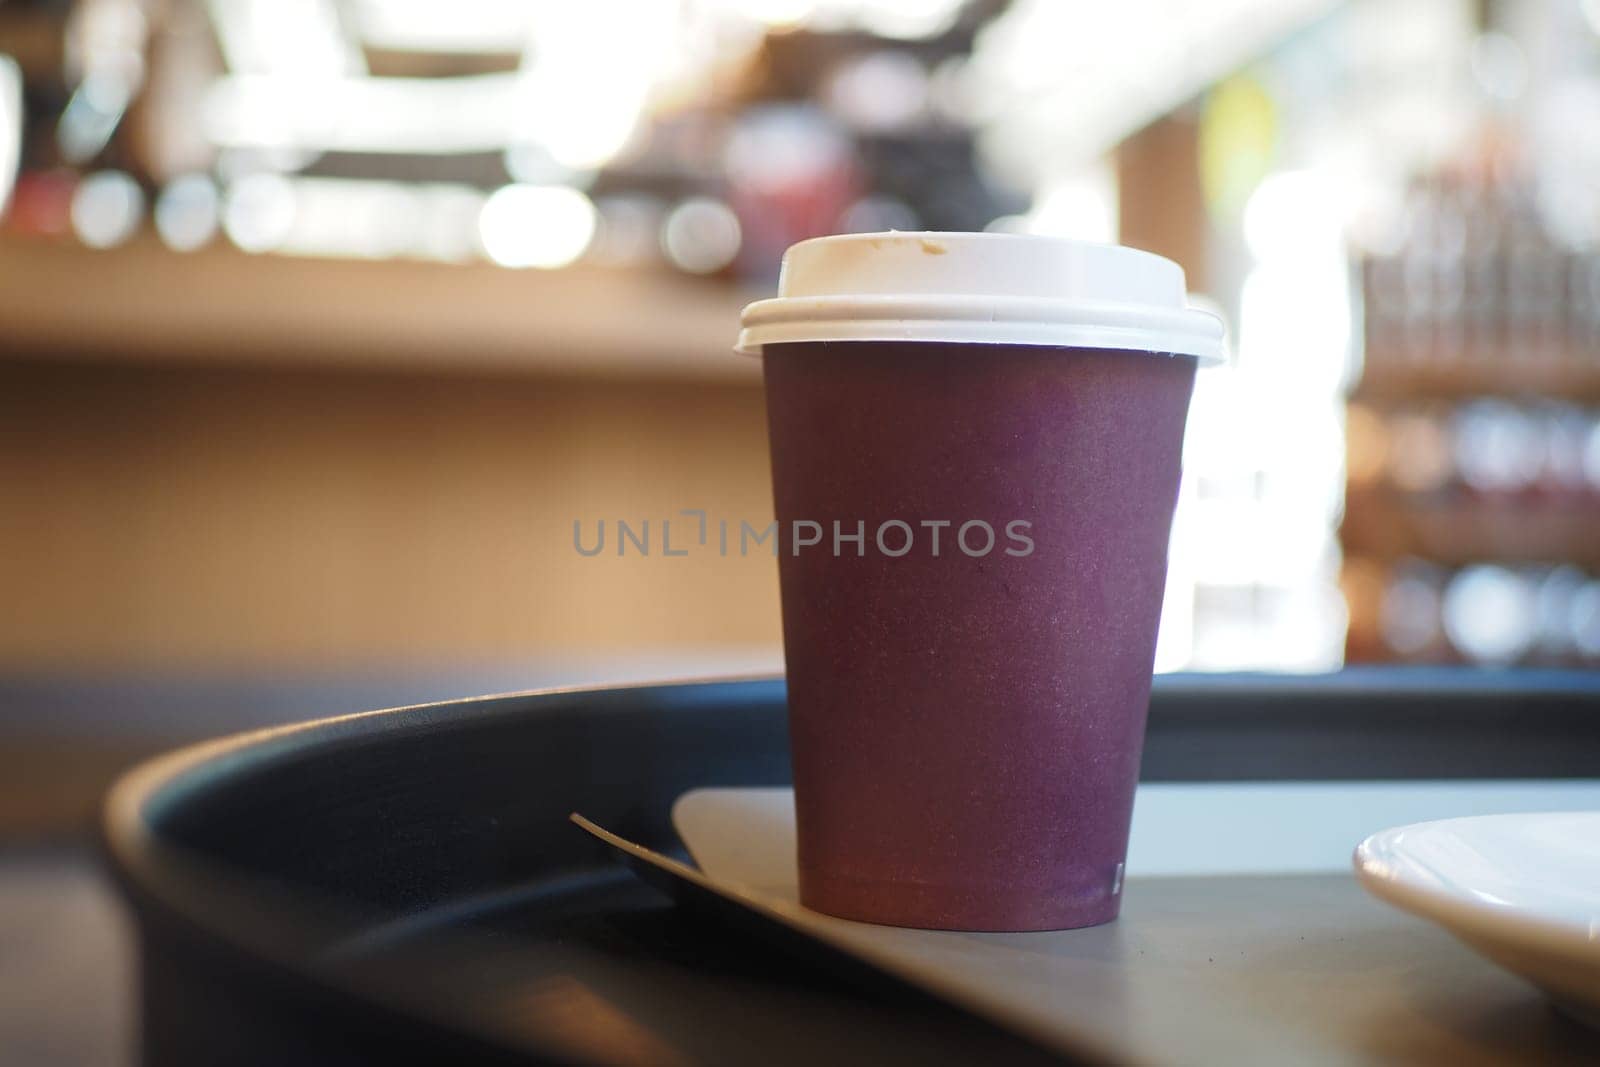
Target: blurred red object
792, 174
41, 203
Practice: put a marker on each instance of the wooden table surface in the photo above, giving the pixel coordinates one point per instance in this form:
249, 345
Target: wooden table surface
1304, 969
1290, 969
1216, 969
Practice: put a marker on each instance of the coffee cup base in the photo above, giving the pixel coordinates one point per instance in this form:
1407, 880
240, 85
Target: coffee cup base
971, 909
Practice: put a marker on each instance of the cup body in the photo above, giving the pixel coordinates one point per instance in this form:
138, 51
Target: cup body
967, 719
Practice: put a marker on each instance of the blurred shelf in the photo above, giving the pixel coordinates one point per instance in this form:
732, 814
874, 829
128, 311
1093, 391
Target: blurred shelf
1455, 531
1397, 374
143, 303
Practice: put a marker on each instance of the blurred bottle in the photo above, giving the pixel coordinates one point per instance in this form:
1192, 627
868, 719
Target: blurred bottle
1491, 614
1453, 208
1367, 443
1411, 618
1584, 622
1591, 456
1583, 304
1384, 308
1565, 429
1533, 295
1421, 451
1362, 583
1499, 449
1484, 271
628, 232
1419, 275
1554, 596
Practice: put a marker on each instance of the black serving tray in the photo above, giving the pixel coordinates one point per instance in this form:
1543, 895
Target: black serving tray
404, 886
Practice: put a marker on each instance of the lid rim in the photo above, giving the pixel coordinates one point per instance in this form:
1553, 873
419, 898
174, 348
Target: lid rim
963, 307
1207, 350
981, 288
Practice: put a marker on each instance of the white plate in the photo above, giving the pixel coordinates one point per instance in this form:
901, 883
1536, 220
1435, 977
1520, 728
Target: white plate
1524, 890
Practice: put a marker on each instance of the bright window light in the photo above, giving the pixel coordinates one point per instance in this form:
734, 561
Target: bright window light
461, 26
10, 126
1082, 206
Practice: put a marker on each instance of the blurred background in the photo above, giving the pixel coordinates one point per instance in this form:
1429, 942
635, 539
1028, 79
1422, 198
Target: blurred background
323, 321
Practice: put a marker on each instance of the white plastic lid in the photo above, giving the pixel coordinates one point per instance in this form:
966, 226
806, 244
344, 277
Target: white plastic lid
981, 288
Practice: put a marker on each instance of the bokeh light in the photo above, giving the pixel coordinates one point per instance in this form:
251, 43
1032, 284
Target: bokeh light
188, 212
259, 212
701, 235
544, 226
106, 208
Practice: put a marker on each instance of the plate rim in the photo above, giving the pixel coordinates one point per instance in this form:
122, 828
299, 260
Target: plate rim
1474, 921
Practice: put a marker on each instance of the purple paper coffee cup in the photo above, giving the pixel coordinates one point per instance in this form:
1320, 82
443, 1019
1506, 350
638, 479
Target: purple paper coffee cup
974, 492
